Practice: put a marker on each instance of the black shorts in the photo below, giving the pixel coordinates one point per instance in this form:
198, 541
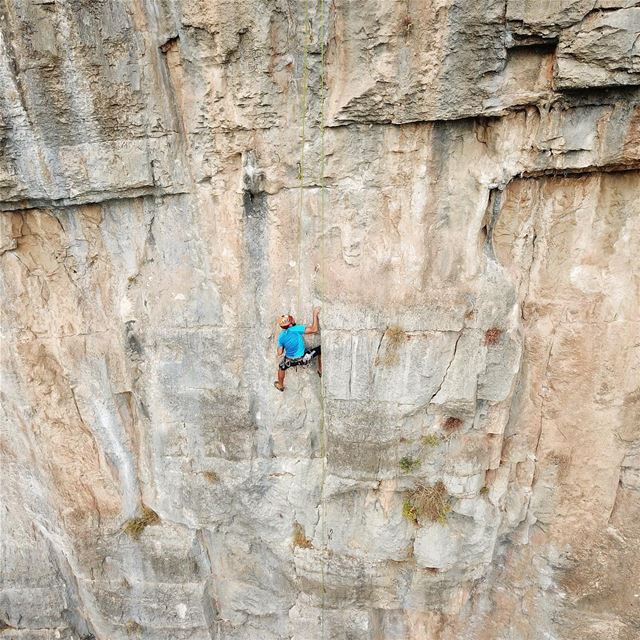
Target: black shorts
309, 355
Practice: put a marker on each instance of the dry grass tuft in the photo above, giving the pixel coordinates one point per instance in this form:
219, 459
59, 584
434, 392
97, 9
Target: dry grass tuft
558, 458
395, 336
452, 424
299, 538
409, 464
491, 336
134, 527
211, 476
562, 462
431, 502
431, 440
133, 628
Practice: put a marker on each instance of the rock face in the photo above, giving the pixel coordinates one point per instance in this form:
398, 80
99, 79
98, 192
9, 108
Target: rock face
456, 183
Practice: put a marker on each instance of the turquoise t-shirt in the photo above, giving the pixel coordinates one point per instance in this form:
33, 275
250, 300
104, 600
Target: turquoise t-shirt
292, 341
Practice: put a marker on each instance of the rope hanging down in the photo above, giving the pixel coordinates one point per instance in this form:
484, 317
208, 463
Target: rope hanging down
320, 16
303, 119
323, 430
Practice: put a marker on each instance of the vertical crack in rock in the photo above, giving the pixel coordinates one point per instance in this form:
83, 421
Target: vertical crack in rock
491, 217
169, 62
542, 395
209, 607
256, 247
446, 371
617, 500
525, 299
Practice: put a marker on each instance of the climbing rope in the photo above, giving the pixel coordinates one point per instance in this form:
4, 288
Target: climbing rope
323, 430
322, 283
303, 118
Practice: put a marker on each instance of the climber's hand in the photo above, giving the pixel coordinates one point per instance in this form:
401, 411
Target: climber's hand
313, 328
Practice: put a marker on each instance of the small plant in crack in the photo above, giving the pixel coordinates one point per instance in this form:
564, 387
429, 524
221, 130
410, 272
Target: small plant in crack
133, 628
492, 336
299, 537
394, 336
484, 491
452, 424
409, 511
430, 501
211, 476
431, 440
135, 526
409, 464
407, 25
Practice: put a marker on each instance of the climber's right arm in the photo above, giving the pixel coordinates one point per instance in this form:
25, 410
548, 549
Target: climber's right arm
313, 327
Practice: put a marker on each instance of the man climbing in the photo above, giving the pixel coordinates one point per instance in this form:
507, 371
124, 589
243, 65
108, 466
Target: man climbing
291, 345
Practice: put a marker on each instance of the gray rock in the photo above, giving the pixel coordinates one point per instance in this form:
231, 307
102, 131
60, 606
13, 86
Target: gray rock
455, 183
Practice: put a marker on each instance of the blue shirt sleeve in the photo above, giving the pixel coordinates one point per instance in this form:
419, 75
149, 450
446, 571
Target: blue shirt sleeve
280, 340
297, 328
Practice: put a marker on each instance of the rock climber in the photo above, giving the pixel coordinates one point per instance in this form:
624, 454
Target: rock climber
291, 345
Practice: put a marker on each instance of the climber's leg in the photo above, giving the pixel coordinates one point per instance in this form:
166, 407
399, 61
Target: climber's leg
282, 367
281, 375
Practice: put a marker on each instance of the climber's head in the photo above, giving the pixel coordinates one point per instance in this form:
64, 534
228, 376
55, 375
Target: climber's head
286, 321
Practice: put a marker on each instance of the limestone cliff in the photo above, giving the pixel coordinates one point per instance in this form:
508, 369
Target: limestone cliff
456, 183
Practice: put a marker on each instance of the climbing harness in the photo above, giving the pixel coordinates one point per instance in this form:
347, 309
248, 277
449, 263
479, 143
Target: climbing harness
302, 361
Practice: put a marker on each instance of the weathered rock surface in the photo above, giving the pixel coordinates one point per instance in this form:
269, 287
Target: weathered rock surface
456, 183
